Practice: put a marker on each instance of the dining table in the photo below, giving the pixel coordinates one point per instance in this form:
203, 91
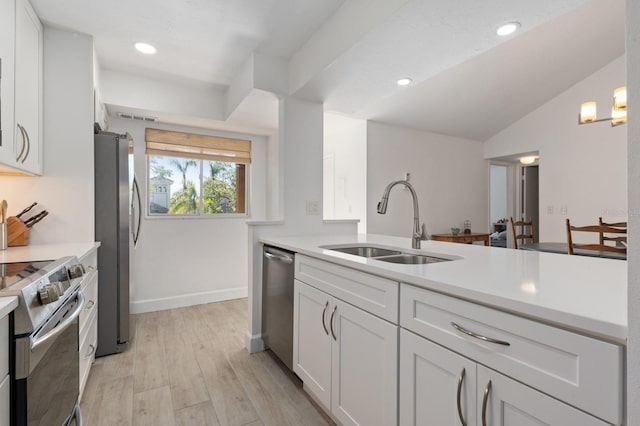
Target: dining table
562, 248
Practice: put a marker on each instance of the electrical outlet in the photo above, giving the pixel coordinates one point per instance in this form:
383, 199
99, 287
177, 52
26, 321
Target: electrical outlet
549, 209
563, 210
312, 208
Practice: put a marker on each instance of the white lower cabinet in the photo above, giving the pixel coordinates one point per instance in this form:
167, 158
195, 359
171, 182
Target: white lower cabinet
346, 357
440, 387
437, 386
311, 342
88, 323
510, 403
4, 401
4, 371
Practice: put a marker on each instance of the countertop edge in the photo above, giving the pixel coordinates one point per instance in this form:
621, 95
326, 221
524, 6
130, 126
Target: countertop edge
42, 252
7, 305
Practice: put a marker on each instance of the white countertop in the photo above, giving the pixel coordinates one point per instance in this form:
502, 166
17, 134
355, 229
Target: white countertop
7, 304
579, 293
38, 252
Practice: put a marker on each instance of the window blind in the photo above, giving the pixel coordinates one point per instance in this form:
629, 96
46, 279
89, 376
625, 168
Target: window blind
192, 145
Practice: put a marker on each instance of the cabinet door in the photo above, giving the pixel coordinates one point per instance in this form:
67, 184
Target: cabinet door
28, 88
364, 376
311, 342
510, 403
4, 400
437, 386
7, 45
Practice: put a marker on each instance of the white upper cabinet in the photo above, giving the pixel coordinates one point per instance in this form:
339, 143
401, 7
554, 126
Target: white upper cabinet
7, 46
21, 45
28, 88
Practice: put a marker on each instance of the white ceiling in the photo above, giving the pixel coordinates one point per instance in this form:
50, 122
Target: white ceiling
205, 40
468, 82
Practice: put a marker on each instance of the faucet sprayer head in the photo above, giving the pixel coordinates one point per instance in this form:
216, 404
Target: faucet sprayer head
382, 205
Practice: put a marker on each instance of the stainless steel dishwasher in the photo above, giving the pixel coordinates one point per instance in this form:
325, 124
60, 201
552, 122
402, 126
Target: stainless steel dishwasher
277, 302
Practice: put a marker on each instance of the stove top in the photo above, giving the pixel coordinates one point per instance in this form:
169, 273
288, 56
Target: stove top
12, 273
41, 287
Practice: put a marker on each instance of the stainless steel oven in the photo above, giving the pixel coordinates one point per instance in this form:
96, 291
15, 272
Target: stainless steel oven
47, 369
44, 358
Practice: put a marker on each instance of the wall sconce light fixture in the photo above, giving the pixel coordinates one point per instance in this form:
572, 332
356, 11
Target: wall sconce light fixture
588, 110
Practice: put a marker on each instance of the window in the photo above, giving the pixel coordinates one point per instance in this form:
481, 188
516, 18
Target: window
196, 175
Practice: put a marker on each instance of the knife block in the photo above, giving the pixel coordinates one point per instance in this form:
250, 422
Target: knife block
17, 232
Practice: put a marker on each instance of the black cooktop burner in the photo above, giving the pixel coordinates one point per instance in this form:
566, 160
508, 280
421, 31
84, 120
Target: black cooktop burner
11, 273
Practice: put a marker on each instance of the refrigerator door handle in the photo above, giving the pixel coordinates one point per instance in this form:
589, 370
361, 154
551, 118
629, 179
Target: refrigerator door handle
136, 234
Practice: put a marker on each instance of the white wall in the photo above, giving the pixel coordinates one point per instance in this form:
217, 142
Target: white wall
449, 174
498, 193
581, 167
66, 188
180, 262
345, 169
300, 182
633, 146
133, 91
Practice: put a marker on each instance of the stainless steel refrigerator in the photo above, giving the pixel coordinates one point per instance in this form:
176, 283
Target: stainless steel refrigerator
112, 225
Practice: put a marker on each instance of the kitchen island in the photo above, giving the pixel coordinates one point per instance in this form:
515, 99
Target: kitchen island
547, 330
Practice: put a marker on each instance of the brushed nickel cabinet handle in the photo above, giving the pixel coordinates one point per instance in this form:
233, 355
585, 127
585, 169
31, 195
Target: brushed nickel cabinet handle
478, 336
331, 323
324, 311
460, 380
26, 154
485, 399
92, 349
24, 142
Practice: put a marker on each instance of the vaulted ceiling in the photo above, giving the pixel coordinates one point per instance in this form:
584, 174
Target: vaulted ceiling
348, 54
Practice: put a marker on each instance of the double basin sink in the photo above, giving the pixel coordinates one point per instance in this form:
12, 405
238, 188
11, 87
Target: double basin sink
388, 255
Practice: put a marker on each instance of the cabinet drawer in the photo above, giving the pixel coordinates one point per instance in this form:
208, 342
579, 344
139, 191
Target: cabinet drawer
579, 370
4, 401
4, 346
88, 350
376, 295
90, 290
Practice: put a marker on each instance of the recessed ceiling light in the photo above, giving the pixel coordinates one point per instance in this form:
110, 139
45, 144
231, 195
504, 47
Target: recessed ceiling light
145, 48
404, 81
507, 29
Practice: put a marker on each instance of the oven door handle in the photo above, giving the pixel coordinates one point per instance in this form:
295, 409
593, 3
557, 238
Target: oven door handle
77, 416
62, 326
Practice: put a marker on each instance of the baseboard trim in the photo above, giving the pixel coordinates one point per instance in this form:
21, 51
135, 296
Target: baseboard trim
161, 304
254, 343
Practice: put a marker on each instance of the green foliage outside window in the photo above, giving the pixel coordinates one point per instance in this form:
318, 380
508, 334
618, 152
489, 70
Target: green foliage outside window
217, 179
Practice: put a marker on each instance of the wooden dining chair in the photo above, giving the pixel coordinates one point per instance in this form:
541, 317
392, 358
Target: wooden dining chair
607, 237
523, 235
602, 231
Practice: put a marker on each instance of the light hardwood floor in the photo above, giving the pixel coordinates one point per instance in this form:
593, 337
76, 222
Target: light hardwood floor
188, 366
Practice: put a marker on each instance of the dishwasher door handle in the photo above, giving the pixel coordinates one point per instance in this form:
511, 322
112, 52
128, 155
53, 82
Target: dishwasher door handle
283, 259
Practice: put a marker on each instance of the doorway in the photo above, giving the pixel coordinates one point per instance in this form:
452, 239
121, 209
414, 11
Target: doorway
513, 192
529, 204
499, 203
